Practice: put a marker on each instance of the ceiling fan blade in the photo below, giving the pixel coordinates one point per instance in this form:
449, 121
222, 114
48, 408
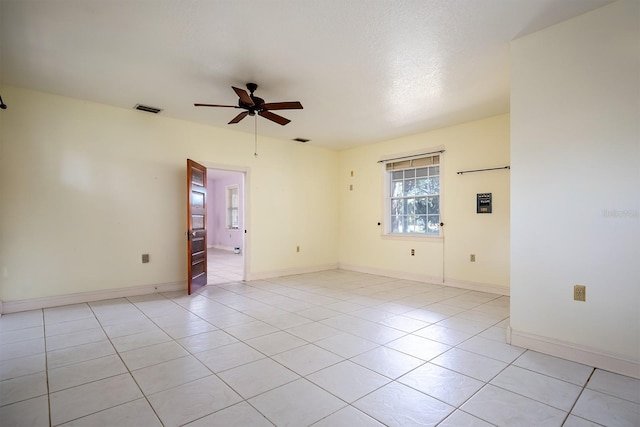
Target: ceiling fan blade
291, 105
243, 95
274, 117
239, 117
215, 105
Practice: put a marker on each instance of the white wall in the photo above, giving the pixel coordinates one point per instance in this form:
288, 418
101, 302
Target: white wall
575, 153
87, 188
474, 145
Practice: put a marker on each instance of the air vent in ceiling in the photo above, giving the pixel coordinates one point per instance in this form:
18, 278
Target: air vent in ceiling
303, 140
148, 109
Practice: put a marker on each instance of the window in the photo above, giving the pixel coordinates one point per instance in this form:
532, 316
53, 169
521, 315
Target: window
413, 202
232, 206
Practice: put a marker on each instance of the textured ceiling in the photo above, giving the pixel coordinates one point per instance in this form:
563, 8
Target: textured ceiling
365, 70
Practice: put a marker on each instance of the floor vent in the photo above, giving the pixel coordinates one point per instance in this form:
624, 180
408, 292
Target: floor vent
303, 140
148, 109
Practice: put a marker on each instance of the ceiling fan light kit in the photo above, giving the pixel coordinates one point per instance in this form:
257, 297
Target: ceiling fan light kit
255, 105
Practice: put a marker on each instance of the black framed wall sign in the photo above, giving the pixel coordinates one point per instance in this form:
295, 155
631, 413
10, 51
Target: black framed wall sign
483, 203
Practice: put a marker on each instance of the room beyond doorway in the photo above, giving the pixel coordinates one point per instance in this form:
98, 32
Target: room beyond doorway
225, 226
223, 266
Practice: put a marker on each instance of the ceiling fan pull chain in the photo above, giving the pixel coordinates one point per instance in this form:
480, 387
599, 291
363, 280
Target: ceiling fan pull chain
255, 138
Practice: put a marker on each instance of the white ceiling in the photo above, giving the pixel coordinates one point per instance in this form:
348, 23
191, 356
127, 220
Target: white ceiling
365, 70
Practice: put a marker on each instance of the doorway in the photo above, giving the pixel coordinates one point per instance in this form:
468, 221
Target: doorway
225, 226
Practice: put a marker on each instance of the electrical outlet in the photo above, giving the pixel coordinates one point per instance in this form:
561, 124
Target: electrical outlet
145, 258
297, 248
413, 252
472, 258
580, 293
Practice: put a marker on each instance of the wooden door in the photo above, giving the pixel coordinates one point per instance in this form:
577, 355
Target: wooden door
196, 225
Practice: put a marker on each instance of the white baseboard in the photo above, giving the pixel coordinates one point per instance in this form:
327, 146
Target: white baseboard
55, 301
289, 272
224, 248
475, 286
472, 286
585, 355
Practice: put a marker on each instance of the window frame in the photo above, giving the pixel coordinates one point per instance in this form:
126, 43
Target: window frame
386, 202
230, 209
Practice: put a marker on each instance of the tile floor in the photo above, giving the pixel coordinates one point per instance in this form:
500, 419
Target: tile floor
223, 266
334, 348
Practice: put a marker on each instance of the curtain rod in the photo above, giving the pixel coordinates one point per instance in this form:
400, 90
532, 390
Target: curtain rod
412, 156
482, 170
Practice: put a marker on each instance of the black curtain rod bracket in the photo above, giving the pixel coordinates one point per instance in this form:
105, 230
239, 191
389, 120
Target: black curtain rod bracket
483, 170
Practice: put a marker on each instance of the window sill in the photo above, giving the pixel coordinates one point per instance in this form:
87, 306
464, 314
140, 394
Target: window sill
411, 237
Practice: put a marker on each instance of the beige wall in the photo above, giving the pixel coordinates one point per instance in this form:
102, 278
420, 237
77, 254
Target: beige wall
475, 145
86, 189
575, 142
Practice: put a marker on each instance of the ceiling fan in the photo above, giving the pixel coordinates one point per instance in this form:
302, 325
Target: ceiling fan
253, 104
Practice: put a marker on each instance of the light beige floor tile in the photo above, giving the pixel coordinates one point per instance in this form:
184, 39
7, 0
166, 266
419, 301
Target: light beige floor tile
348, 417
473, 365
77, 402
443, 384
21, 349
388, 362
21, 320
346, 345
33, 413
152, 355
314, 331
496, 350
206, 341
615, 385
275, 343
419, 347
398, 405
191, 401
548, 390
137, 413
504, 408
250, 330
172, 373
20, 366
71, 326
607, 410
404, 323
229, 356
307, 359
22, 388
139, 340
73, 339
66, 313
462, 419
84, 372
347, 380
444, 335
240, 414
17, 335
556, 367
257, 377
80, 353
299, 403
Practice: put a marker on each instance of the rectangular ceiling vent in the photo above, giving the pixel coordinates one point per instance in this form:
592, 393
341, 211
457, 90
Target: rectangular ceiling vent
303, 140
148, 109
